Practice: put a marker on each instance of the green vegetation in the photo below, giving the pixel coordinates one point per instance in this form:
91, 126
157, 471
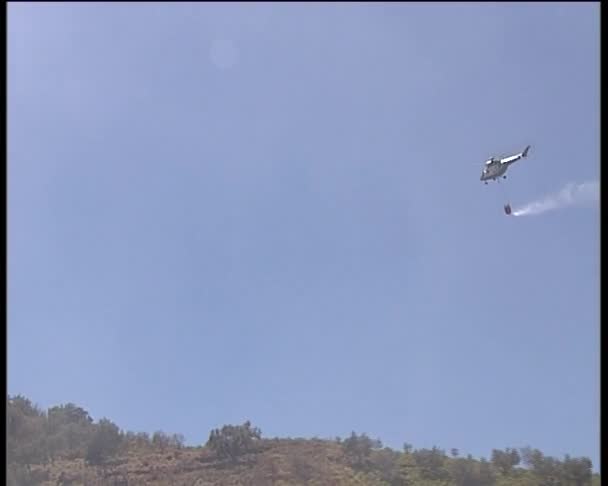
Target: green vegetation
65, 446
232, 442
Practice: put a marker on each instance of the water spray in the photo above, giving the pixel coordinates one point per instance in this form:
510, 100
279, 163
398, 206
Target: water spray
586, 193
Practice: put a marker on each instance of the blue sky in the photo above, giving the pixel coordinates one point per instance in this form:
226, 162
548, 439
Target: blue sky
221, 212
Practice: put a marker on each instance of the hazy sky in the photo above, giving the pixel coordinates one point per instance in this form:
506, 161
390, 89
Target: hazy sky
222, 212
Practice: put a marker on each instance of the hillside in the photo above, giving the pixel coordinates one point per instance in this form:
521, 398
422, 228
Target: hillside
63, 446
277, 462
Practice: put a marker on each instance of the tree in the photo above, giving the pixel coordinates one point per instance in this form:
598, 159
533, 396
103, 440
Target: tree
105, 442
31, 451
463, 471
26, 442
160, 440
430, 463
137, 440
530, 457
68, 414
359, 448
176, 441
407, 474
486, 476
505, 460
232, 441
69, 429
547, 470
578, 471
24, 406
469, 472
385, 464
